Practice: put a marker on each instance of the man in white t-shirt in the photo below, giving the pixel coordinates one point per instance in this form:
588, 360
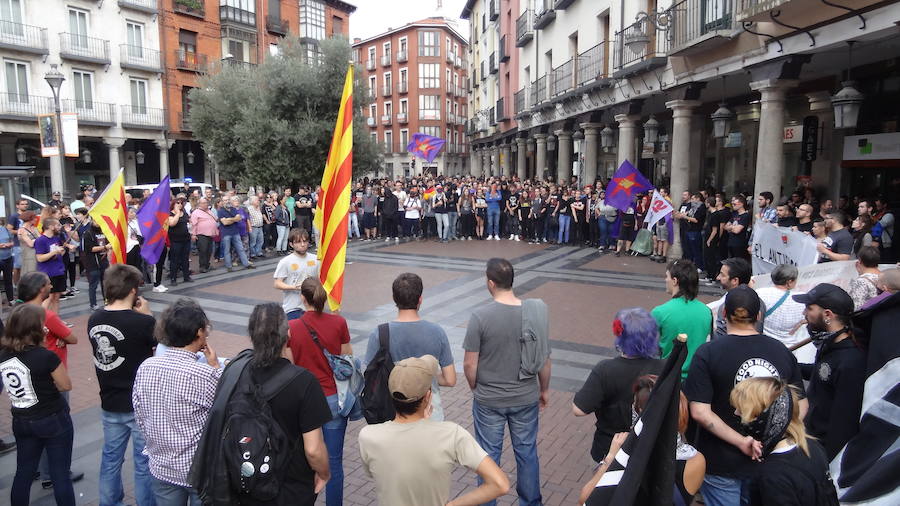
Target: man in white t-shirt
411, 458
783, 315
293, 269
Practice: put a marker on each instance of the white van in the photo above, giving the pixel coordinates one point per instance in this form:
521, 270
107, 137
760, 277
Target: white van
177, 186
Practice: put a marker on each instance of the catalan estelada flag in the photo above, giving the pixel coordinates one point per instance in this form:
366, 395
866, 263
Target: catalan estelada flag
110, 213
334, 204
425, 146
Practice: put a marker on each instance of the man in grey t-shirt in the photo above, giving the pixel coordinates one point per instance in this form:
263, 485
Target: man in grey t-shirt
411, 336
492, 364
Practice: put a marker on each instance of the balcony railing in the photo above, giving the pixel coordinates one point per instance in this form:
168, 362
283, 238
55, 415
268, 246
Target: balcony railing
747, 9
449, 89
403, 86
386, 119
539, 91
371, 93
387, 90
402, 56
24, 107
402, 118
429, 114
504, 50
501, 110
483, 73
139, 58
387, 147
641, 47
544, 14
493, 63
525, 28
451, 118
189, 7
148, 6
184, 119
386, 60
91, 113
519, 101
148, 118
475, 81
451, 56
458, 91
229, 14
276, 25
75, 46
370, 64
591, 65
697, 22
492, 116
561, 79
370, 121
191, 61
494, 10
25, 38
459, 62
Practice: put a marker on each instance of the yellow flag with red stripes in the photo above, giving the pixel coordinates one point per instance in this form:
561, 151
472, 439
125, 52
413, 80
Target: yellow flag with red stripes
334, 202
110, 214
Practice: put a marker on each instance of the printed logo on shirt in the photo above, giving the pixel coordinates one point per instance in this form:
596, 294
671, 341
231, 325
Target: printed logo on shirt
106, 357
755, 368
824, 371
17, 380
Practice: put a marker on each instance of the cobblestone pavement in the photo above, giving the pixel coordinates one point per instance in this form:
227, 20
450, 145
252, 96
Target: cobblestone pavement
583, 289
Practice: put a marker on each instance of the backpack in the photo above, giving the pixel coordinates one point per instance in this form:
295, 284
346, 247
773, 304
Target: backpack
534, 344
375, 397
255, 449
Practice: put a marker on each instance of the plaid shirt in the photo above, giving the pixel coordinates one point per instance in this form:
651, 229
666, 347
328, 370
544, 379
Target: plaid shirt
172, 396
769, 214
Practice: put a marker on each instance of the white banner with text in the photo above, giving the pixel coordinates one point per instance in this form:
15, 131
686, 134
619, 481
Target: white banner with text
772, 246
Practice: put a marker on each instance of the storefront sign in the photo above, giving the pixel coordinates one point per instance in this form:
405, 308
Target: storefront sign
773, 246
872, 147
733, 140
792, 133
810, 138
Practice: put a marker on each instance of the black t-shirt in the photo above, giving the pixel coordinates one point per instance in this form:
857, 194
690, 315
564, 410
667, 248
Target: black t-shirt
835, 395
607, 393
716, 367
805, 227
303, 211
180, 231
712, 222
93, 261
700, 214
439, 202
740, 239
299, 408
513, 202
788, 221
790, 478
452, 200
121, 341
839, 241
565, 206
29, 384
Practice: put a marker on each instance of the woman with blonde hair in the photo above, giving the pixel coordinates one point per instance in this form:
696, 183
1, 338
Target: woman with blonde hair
794, 469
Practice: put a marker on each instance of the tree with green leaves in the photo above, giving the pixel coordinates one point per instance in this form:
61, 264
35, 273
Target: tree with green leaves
272, 125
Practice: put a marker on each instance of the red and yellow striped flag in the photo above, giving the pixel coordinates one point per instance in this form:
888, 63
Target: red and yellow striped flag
110, 213
334, 203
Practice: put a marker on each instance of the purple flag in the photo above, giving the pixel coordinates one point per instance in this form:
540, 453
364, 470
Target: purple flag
625, 184
153, 219
425, 146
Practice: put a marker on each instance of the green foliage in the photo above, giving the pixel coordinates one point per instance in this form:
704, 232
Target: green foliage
272, 125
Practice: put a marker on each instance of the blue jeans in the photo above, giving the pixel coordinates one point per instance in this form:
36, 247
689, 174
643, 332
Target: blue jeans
281, 242
234, 241
605, 226
95, 279
452, 218
117, 428
490, 424
443, 226
722, 491
493, 222
294, 315
256, 241
694, 248
169, 494
333, 432
55, 434
563, 236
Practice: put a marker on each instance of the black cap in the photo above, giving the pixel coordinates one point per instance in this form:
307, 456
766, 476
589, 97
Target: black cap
742, 296
828, 296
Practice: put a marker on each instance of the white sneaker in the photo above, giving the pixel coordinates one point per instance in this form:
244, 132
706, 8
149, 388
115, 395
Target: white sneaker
387, 240
160, 289
510, 237
517, 238
396, 240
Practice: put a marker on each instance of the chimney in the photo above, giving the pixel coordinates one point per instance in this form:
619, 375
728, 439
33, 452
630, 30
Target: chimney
356, 40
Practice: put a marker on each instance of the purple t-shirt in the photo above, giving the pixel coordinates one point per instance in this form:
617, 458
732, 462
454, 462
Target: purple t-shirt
243, 224
54, 266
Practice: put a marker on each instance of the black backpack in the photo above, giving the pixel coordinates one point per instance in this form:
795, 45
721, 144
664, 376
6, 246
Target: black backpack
255, 449
375, 397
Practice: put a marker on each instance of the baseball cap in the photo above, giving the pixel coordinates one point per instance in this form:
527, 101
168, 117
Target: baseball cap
827, 296
742, 296
411, 378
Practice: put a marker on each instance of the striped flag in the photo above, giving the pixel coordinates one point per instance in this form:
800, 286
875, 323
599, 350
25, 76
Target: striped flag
110, 213
334, 204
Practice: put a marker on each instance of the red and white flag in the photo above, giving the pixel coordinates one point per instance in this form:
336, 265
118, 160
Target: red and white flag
659, 209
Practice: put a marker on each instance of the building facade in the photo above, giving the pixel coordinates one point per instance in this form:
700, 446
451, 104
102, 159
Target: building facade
416, 81
109, 54
734, 95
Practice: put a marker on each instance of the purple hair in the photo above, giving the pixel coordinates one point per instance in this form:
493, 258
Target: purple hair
640, 334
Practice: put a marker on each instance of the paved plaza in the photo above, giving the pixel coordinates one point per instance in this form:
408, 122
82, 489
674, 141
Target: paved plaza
582, 288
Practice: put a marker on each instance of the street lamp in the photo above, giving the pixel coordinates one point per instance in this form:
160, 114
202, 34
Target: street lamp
55, 79
722, 117
848, 101
190, 157
21, 155
139, 157
607, 138
651, 130
86, 156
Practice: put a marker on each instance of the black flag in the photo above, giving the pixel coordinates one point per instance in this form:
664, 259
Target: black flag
643, 471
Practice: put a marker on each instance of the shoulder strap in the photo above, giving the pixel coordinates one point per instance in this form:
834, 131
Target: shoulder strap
779, 303
278, 382
312, 334
384, 336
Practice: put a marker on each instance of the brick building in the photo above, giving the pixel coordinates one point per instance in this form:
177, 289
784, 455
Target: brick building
416, 77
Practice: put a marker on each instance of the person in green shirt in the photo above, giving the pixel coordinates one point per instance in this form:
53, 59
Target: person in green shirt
289, 203
684, 314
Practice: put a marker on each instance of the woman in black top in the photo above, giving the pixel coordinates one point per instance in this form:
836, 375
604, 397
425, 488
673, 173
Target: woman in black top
179, 242
564, 213
794, 469
33, 377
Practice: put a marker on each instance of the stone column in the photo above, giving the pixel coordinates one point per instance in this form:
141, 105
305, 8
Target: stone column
486, 161
540, 156
521, 158
505, 155
770, 147
680, 146
591, 150
164, 145
628, 124
114, 144
564, 156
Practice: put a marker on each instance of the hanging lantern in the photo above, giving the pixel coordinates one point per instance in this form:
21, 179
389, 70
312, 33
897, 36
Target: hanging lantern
21, 155
86, 156
190, 157
847, 104
722, 121
139, 157
607, 137
651, 130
